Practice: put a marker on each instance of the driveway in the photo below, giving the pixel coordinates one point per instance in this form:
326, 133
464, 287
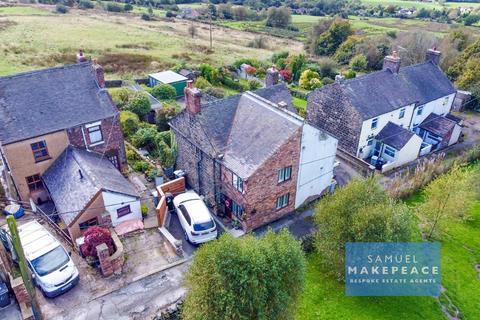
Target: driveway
139, 300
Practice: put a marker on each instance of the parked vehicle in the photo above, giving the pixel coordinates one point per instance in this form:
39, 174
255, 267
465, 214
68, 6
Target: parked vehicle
195, 218
52, 269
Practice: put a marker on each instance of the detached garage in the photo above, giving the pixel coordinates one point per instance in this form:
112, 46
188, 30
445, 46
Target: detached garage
174, 79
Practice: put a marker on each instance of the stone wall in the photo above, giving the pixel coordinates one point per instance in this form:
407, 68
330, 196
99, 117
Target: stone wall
198, 166
112, 137
329, 109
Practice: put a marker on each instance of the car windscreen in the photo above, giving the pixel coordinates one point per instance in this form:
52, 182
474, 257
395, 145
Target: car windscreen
203, 226
50, 261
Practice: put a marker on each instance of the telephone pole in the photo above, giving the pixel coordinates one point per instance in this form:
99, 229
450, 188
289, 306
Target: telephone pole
22, 263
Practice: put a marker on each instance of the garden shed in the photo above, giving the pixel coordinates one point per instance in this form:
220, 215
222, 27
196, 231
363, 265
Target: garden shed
174, 79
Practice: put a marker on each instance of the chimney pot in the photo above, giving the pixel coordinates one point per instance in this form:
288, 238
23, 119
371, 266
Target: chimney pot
433, 55
193, 98
81, 56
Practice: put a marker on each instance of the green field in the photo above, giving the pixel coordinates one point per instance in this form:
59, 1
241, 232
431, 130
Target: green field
324, 297
419, 4
126, 45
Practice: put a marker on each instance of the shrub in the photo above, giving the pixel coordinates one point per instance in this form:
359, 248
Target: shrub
164, 92
164, 115
358, 63
286, 75
85, 4
216, 92
129, 122
140, 166
113, 7
310, 80
167, 156
139, 104
202, 83
165, 137
259, 42
95, 236
144, 209
232, 84
128, 7
60, 8
146, 17
132, 155
327, 67
120, 96
254, 84
145, 138
350, 74
327, 80
170, 14
209, 73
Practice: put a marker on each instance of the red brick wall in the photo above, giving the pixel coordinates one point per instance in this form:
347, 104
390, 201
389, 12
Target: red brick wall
112, 137
262, 188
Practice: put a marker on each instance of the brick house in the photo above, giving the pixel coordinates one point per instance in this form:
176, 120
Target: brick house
252, 159
43, 112
388, 117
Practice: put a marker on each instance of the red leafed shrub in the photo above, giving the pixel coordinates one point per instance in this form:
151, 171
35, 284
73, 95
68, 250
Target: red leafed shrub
286, 75
93, 237
250, 70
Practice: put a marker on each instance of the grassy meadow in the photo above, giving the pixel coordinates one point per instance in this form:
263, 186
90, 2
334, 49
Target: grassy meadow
35, 37
420, 4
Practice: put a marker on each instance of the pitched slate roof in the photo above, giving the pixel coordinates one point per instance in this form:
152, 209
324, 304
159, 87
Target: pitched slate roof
246, 129
49, 100
277, 94
70, 192
394, 135
383, 91
438, 125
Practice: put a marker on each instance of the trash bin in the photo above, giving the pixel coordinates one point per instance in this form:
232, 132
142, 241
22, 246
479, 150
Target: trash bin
4, 296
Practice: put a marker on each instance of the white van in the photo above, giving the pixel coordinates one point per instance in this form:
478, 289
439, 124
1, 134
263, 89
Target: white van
51, 267
196, 221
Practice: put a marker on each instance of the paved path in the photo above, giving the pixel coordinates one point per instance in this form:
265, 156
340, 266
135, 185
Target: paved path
139, 300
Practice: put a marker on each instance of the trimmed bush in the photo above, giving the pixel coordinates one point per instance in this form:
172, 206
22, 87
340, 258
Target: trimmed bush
202, 83
139, 104
164, 92
129, 122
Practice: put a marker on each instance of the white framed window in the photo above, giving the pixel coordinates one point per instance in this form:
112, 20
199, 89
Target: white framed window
284, 174
374, 123
370, 141
95, 134
420, 111
389, 151
401, 115
237, 182
282, 201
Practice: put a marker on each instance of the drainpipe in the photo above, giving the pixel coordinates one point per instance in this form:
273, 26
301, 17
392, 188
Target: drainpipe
413, 114
84, 140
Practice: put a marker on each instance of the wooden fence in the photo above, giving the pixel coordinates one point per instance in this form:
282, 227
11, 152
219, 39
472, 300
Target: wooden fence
174, 187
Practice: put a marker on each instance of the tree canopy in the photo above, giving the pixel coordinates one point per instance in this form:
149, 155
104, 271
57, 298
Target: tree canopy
245, 278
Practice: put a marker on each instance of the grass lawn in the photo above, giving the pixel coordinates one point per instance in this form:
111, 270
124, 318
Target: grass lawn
24, 11
324, 298
126, 45
301, 105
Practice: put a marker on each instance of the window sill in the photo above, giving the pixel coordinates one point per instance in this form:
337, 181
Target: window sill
97, 144
284, 181
42, 159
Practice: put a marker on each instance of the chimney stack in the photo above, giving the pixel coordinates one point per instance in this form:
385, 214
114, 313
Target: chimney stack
271, 77
193, 98
392, 62
99, 73
81, 56
433, 55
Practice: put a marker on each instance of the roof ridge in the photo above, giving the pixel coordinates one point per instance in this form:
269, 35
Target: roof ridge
46, 70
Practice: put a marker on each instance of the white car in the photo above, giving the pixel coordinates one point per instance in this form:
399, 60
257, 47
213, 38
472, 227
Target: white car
196, 221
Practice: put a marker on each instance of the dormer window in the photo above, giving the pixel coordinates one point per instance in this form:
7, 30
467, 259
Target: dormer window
374, 123
402, 113
95, 133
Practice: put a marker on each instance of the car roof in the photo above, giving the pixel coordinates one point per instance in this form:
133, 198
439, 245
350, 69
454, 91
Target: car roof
195, 206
